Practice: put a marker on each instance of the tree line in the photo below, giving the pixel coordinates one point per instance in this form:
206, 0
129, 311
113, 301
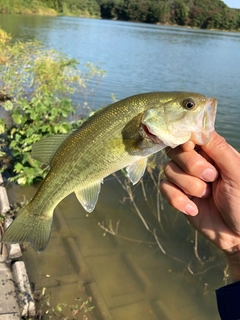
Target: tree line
206, 14
194, 13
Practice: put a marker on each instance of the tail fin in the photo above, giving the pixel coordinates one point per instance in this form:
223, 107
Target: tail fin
31, 228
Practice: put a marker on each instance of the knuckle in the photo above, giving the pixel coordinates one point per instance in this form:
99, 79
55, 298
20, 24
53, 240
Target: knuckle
193, 164
172, 193
177, 201
196, 189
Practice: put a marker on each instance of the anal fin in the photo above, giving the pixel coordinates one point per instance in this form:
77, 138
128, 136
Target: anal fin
136, 170
88, 196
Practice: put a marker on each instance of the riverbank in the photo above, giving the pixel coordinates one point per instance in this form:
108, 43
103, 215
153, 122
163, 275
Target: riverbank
15, 294
31, 10
41, 8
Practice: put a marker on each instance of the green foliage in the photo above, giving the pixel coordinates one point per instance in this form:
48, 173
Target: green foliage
194, 13
4, 37
86, 8
43, 84
25, 7
41, 116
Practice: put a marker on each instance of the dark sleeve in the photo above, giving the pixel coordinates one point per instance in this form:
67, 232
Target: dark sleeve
228, 301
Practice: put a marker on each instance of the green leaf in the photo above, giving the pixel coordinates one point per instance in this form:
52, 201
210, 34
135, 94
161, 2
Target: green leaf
2, 126
22, 181
18, 167
8, 105
17, 117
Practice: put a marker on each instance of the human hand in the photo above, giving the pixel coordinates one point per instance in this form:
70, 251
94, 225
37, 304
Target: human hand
205, 185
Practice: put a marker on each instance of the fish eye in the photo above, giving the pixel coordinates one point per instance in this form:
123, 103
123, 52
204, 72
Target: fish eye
188, 104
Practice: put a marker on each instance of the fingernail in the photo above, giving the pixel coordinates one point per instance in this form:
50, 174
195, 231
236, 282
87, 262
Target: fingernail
191, 210
209, 174
207, 192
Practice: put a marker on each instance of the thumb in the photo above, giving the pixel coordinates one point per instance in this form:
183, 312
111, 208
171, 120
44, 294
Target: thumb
225, 156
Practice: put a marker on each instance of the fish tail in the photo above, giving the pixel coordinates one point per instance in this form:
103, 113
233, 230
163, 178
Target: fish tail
29, 227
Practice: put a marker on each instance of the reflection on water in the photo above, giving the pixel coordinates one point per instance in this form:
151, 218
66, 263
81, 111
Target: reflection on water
126, 274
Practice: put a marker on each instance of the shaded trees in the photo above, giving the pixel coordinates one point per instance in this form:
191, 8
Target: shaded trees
194, 13
75, 7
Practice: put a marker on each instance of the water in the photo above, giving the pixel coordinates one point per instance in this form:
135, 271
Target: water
139, 58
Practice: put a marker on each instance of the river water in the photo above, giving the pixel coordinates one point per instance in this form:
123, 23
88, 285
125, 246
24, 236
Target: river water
139, 58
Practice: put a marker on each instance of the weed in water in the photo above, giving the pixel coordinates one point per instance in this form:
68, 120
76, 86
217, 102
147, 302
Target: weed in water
78, 310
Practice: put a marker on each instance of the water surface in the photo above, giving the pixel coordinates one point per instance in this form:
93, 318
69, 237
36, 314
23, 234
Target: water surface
140, 57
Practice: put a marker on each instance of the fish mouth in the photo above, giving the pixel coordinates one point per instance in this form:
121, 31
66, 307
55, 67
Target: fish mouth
149, 134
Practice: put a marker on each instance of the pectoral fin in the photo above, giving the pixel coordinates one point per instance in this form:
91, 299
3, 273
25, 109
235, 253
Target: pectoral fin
88, 197
45, 149
136, 170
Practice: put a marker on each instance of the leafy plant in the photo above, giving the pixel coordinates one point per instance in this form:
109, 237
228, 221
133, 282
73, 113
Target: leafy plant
44, 85
4, 37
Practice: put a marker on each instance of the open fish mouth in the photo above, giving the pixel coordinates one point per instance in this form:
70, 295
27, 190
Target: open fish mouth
205, 123
150, 134
197, 126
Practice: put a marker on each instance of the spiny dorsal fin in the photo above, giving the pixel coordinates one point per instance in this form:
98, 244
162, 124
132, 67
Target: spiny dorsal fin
45, 149
136, 170
88, 196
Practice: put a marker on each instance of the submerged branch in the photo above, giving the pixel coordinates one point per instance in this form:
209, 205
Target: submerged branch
111, 231
129, 190
196, 247
157, 240
167, 225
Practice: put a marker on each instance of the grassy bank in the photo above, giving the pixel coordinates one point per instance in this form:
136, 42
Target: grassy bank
25, 7
49, 8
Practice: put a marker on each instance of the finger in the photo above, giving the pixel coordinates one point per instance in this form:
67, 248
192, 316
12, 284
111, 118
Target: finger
189, 184
177, 199
188, 146
225, 156
193, 163
206, 156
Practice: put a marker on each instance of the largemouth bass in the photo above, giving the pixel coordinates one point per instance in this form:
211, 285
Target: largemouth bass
122, 135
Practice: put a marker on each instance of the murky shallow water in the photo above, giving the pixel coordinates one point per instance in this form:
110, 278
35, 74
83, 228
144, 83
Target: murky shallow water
127, 275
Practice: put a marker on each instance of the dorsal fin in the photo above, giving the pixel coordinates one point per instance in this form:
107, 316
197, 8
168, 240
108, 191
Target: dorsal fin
45, 149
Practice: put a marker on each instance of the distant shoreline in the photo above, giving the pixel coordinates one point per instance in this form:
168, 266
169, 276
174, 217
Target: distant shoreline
42, 11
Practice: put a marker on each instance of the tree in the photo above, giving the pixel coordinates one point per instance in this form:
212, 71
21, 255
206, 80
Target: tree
181, 12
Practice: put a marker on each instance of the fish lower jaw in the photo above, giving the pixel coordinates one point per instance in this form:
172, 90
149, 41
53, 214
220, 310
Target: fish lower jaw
201, 138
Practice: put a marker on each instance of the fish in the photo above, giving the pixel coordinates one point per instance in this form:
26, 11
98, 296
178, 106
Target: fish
122, 135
